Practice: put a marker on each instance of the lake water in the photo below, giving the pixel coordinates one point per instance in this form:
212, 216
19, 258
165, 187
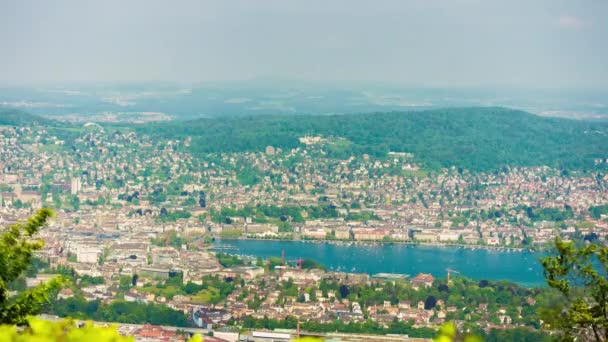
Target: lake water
522, 267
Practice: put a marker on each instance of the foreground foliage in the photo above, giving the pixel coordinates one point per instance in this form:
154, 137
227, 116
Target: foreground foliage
579, 273
449, 333
17, 246
67, 331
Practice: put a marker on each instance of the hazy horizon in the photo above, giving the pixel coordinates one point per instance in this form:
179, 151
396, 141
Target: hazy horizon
415, 43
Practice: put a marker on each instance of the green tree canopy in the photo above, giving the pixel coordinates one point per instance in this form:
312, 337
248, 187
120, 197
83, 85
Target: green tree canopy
579, 274
17, 246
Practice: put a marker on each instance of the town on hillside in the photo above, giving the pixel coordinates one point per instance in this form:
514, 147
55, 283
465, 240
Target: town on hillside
136, 218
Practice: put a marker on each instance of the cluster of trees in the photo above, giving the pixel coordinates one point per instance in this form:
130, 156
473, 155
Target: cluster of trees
130, 197
16, 117
597, 211
273, 213
231, 233
368, 327
477, 139
461, 293
100, 201
361, 216
309, 264
118, 311
249, 176
517, 334
396, 327
228, 260
549, 214
86, 280
213, 289
172, 216
157, 196
171, 238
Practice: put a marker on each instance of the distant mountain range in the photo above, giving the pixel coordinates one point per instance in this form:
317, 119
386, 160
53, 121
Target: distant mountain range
289, 97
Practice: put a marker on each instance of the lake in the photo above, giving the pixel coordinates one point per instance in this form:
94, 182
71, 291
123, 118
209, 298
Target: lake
521, 267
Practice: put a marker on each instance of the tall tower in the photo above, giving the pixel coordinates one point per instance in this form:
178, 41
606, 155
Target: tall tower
75, 186
282, 262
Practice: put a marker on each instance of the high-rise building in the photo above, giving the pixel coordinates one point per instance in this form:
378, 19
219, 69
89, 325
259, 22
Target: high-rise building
75, 186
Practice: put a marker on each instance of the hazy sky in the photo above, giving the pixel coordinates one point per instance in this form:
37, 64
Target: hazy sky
530, 43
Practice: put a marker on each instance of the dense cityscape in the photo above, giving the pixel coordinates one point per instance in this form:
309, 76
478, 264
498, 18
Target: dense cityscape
306, 171
136, 219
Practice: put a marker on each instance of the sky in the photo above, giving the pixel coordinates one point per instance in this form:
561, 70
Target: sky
520, 43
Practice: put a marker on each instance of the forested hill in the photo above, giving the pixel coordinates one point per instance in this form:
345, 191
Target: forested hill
16, 117
474, 138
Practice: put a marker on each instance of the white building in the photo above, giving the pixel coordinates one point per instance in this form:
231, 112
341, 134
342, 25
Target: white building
75, 186
448, 236
88, 255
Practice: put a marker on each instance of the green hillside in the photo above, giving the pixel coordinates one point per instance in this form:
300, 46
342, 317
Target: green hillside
16, 117
473, 138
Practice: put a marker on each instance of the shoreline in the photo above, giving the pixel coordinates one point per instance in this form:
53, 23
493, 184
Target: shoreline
381, 243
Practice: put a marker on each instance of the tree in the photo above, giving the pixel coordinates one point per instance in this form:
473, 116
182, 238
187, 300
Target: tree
124, 283
590, 237
202, 199
579, 274
17, 246
443, 288
430, 302
344, 292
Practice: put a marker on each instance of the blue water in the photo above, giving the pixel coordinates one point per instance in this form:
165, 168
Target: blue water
521, 267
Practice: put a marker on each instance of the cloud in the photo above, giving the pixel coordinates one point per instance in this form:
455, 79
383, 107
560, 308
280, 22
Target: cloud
572, 23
